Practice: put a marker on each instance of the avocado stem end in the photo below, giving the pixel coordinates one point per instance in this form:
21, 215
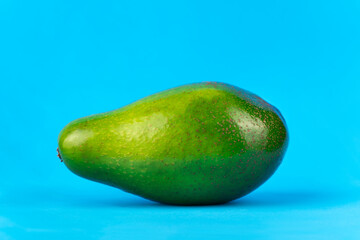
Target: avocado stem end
59, 155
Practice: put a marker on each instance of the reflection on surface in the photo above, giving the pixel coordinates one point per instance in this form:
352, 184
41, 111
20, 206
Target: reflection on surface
251, 127
78, 137
147, 126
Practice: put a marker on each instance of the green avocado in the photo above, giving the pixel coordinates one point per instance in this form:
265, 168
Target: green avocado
197, 144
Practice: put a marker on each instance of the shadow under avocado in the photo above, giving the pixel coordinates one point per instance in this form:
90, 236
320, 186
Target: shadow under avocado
287, 199
298, 199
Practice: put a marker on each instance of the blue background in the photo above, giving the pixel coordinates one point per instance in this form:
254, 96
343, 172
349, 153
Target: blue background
61, 60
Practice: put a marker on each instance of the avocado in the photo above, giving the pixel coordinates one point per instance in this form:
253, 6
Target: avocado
197, 144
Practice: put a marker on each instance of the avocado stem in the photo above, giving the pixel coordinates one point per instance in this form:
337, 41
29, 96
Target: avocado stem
59, 155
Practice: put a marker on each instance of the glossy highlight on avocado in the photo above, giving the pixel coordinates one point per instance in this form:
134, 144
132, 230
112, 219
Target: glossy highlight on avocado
197, 144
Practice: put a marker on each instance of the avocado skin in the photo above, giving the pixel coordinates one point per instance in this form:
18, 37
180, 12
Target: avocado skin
198, 144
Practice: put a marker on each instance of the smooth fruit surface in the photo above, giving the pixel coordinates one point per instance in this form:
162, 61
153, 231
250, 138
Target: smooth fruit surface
202, 143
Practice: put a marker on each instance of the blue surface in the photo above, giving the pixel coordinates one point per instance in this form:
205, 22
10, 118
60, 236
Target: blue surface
61, 60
